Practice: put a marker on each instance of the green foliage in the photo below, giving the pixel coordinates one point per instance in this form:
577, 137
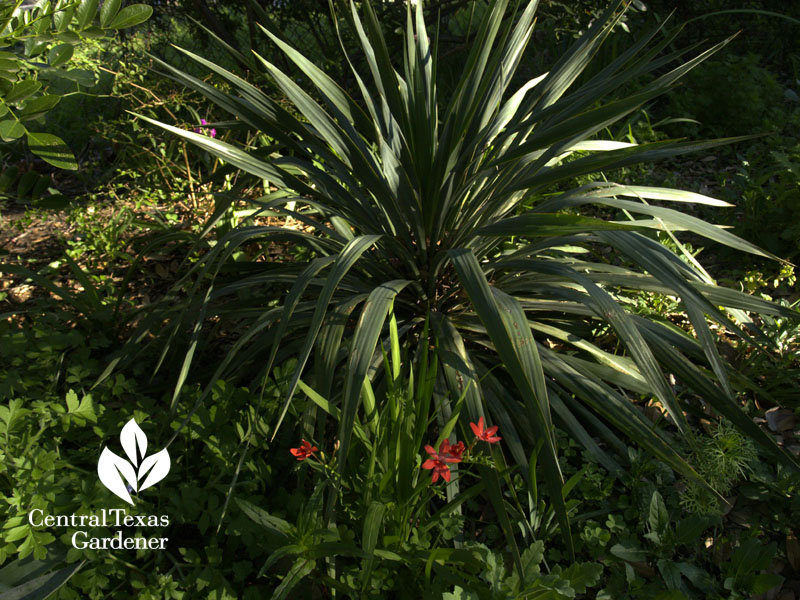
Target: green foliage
101, 238
737, 94
33, 416
465, 20
733, 95
764, 27
408, 202
774, 373
394, 526
722, 459
557, 584
126, 161
397, 367
765, 184
227, 531
49, 31
51, 430
742, 578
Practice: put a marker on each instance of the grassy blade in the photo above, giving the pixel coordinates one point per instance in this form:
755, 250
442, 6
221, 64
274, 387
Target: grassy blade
372, 528
507, 327
365, 339
344, 262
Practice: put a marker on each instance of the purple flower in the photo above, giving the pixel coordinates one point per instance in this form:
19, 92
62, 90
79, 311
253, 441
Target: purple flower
212, 132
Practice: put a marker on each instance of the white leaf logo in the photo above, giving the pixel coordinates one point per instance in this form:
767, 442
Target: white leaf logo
122, 477
158, 465
131, 436
109, 469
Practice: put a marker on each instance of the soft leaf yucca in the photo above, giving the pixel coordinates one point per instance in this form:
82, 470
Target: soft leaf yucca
408, 203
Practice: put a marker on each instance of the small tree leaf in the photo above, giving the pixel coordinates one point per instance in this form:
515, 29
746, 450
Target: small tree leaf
628, 552
84, 409
69, 37
671, 574
108, 12
52, 149
583, 575
16, 533
658, 519
11, 130
93, 32
131, 15
86, 13
82, 77
7, 177
9, 64
691, 528
460, 593
60, 54
699, 578
765, 582
62, 19
35, 46
72, 401
22, 90
37, 107
26, 183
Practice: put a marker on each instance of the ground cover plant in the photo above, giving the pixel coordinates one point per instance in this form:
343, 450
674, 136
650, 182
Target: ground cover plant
418, 343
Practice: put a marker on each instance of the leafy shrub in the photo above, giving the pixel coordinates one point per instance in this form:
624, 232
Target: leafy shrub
733, 95
765, 186
50, 29
763, 27
408, 203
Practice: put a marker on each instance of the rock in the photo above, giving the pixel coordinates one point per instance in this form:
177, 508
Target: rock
780, 419
21, 293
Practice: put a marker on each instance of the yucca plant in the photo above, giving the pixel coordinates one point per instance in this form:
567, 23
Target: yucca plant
408, 204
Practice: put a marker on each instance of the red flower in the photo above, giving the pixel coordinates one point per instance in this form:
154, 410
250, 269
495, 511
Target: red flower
304, 451
487, 435
454, 452
438, 461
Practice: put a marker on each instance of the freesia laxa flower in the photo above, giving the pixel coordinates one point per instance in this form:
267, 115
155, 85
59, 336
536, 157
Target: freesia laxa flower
438, 461
304, 451
454, 452
438, 464
211, 132
486, 435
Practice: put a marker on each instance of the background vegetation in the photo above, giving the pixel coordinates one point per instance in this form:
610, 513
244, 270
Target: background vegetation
88, 252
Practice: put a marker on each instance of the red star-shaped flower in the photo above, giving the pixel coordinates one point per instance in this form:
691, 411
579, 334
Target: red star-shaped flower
304, 451
486, 435
453, 452
438, 460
